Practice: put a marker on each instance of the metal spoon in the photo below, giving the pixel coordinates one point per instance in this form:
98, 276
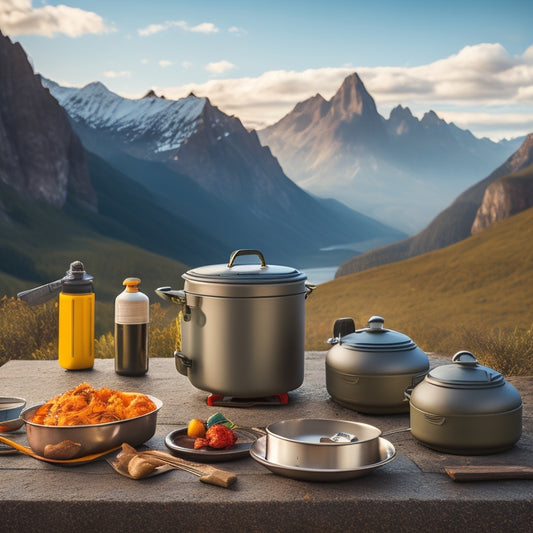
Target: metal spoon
341, 436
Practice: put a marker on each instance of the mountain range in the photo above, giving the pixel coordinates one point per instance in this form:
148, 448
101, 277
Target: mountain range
204, 166
184, 181
399, 170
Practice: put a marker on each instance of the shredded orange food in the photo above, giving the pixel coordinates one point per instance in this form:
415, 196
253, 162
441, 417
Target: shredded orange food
85, 405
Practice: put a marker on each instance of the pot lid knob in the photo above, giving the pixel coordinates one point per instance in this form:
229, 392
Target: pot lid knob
375, 324
465, 358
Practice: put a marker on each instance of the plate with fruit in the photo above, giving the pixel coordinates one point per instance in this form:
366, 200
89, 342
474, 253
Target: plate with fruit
216, 439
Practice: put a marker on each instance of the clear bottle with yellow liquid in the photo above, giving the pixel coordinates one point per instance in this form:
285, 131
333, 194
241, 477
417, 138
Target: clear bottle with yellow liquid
76, 315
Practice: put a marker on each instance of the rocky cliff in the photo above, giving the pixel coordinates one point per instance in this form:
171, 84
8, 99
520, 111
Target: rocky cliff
509, 194
40, 155
503, 198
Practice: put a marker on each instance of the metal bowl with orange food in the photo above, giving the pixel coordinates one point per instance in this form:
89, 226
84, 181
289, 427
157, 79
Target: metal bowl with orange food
81, 439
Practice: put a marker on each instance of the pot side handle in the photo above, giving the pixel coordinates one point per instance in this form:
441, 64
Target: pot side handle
309, 288
182, 363
177, 297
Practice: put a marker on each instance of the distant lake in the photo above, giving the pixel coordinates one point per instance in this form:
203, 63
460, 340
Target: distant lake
319, 275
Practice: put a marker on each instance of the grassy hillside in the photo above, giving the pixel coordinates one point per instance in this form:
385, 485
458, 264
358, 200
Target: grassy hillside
40, 242
444, 299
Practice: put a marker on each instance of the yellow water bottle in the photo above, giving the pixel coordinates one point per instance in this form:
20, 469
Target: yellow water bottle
76, 315
76, 319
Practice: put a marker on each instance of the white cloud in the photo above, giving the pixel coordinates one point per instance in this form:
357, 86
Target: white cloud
164, 63
19, 17
484, 76
219, 67
237, 31
117, 74
204, 27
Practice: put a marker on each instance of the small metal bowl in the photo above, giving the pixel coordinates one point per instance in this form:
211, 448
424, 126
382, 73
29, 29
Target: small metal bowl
10, 409
307, 443
93, 438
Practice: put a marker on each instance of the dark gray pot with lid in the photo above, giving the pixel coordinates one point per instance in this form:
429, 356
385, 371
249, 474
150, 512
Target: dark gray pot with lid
242, 326
466, 408
369, 369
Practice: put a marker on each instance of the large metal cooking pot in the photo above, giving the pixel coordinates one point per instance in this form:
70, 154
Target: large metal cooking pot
369, 369
466, 408
243, 327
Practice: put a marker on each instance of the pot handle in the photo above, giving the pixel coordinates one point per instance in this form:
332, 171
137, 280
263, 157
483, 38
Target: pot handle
407, 393
465, 358
177, 297
182, 363
309, 288
342, 327
236, 253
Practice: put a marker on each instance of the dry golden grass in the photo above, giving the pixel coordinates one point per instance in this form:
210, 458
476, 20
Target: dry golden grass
31, 332
447, 300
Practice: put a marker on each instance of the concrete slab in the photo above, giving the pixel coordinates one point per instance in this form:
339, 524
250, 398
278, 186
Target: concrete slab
410, 493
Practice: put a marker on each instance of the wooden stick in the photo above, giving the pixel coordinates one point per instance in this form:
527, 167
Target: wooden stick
487, 473
208, 474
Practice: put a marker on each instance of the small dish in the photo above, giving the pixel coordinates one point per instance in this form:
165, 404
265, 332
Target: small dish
10, 409
387, 453
181, 444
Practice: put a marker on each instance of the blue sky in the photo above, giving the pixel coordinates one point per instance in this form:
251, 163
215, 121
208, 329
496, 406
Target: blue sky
469, 61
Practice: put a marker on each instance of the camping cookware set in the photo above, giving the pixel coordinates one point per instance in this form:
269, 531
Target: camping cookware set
242, 335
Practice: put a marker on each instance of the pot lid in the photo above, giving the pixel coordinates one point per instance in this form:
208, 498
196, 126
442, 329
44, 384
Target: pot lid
465, 372
372, 338
245, 273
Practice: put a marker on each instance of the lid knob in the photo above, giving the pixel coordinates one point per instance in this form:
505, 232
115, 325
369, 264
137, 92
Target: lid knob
375, 323
465, 358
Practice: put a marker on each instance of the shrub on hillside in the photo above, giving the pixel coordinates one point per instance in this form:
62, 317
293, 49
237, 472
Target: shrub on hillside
28, 332
510, 351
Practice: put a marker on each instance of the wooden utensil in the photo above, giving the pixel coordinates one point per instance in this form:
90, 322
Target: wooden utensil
139, 464
78, 460
487, 473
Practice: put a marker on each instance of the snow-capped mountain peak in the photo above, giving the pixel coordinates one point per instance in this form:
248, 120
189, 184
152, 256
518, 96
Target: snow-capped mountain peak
168, 122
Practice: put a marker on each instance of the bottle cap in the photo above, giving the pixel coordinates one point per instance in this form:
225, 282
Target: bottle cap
131, 284
76, 280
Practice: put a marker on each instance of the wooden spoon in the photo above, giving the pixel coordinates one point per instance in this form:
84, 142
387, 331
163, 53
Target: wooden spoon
78, 460
138, 464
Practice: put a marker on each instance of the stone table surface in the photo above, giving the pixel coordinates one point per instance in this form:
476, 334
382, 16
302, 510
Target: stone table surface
412, 492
